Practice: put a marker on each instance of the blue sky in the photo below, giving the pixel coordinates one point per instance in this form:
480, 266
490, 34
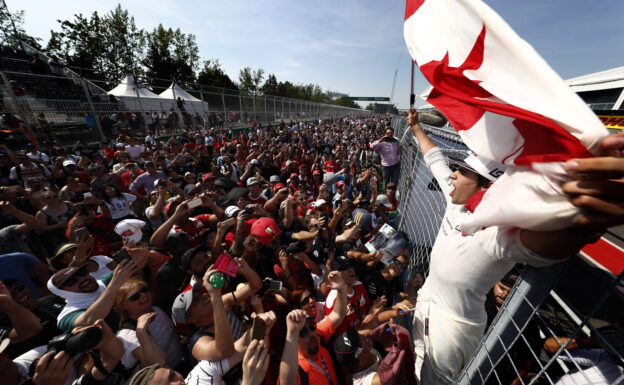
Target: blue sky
351, 46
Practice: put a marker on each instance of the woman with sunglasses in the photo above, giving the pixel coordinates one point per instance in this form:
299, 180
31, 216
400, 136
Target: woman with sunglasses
53, 218
119, 203
147, 333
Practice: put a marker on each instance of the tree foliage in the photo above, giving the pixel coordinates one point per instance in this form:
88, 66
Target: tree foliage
369, 107
249, 80
171, 54
213, 75
344, 102
10, 36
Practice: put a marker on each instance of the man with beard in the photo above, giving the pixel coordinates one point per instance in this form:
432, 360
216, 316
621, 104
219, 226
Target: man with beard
304, 358
87, 299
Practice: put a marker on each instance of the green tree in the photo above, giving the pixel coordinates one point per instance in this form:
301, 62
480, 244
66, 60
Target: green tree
369, 107
344, 102
171, 54
249, 80
270, 86
10, 36
213, 75
124, 41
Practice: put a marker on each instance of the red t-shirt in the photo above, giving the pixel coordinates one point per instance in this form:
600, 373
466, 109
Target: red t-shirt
358, 305
300, 271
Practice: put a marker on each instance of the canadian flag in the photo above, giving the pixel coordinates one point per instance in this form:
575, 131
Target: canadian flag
507, 105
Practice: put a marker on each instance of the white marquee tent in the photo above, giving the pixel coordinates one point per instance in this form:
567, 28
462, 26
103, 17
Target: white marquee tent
191, 103
139, 99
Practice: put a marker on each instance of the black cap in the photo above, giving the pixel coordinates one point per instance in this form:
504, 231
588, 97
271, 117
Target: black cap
348, 347
341, 263
190, 253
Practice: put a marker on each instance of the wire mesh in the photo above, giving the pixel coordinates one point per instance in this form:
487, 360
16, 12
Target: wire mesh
559, 325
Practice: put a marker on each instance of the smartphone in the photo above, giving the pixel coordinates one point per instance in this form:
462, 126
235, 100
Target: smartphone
121, 256
82, 234
258, 329
274, 285
227, 265
194, 203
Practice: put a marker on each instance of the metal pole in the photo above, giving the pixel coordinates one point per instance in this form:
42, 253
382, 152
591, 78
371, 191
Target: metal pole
224, 109
95, 117
253, 99
175, 106
266, 118
136, 91
18, 106
240, 102
412, 94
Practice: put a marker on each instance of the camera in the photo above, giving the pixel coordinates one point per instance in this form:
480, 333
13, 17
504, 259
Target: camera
75, 343
295, 247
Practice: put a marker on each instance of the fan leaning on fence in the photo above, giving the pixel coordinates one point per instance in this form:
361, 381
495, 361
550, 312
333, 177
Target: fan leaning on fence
450, 317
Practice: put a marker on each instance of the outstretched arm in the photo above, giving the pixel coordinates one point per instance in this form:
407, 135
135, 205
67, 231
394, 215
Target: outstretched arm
424, 142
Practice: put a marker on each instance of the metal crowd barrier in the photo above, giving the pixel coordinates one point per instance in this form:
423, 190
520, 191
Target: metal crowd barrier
559, 325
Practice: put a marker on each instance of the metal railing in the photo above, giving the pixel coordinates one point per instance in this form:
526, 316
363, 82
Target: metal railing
534, 337
66, 108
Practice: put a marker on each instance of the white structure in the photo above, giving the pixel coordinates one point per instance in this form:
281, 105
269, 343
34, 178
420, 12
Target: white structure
191, 103
140, 99
602, 90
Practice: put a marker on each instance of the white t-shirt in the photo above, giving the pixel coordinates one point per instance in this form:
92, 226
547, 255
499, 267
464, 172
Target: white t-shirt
208, 373
164, 334
102, 261
135, 151
119, 207
42, 156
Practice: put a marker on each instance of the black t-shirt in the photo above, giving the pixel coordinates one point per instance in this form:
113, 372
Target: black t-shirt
377, 285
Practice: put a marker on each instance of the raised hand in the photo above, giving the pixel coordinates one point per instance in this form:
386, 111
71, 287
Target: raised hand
295, 320
255, 363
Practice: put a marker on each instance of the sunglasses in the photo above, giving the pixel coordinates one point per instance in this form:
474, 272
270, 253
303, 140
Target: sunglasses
310, 327
306, 300
82, 272
399, 263
137, 295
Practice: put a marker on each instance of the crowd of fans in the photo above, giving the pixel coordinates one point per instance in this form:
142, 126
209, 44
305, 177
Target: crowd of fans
205, 258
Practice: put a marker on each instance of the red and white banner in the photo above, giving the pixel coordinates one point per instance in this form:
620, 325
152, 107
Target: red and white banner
505, 102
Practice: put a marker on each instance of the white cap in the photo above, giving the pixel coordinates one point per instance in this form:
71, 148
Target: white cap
130, 229
319, 202
68, 162
486, 168
289, 162
120, 145
252, 180
254, 161
274, 178
231, 211
382, 199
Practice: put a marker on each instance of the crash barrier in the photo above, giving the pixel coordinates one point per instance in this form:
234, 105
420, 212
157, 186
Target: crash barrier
559, 325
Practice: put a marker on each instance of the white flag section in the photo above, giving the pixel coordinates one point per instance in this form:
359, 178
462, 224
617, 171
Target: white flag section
507, 105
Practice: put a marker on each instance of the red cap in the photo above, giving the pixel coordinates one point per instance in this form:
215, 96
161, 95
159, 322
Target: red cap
316, 172
207, 176
265, 230
294, 174
170, 207
187, 145
130, 164
278, 186
339, 183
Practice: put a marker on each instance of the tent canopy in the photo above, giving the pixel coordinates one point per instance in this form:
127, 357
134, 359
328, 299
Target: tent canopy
612, 78
176, 90
126, 89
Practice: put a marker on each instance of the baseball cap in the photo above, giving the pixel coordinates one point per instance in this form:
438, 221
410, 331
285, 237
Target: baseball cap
382, 199
207, 176
362, 218
189, 254
130, 164
189, 188
340, 183
488, 169
348, 347
319, 203
274, 178
231, 211
68, 162
251, 181
289, 162
254, 161
170, 208
265, 230
182, 304
341, 263
120, 145
61, 276
62, 249
316, 172
130, 229
278, 186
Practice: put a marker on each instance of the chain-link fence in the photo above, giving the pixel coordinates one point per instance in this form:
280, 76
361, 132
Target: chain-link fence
558, 325
58, 104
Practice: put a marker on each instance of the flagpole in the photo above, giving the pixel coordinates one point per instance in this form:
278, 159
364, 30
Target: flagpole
412, 94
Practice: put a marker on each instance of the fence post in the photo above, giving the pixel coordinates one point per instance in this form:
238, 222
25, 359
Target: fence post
136, 91
266, 117
175, 106
91, 106
240, 102
18, 106
225, 117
